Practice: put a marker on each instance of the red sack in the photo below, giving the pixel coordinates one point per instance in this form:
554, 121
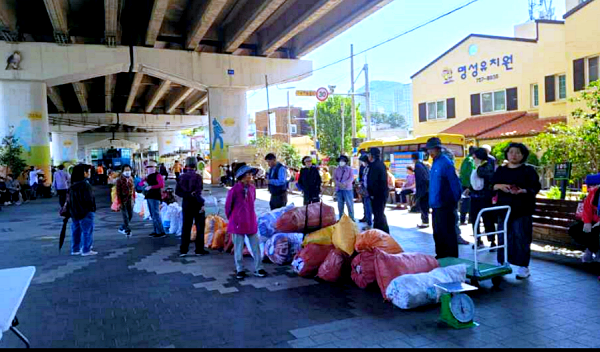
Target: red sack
390, 266
228, 243
371, 239
363, 269
319, 215
307, 262
331, 269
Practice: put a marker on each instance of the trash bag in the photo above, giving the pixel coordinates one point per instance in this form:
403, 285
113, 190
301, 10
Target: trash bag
212, 225
115, 206
146, 211
363, 269
193, 233
390, 266
307, 262
331, 269
176, 217
164, 212
267, 221
319, 215
371, 239
218, 241
138, 204
415, 290
344, 236
322, 236
211, 205
282, 247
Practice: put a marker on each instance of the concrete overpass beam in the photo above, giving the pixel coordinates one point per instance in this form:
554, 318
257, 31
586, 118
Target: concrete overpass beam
137, 79
58, 11
109, 91
64, 148
334, 23
252, 15
54, 96
82, 95
112, 30
197, 104
158, 94
8, 16
292, 22
202, 24
159, 9
179, 99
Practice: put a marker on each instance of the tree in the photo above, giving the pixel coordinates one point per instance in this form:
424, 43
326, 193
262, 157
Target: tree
10, 155
578, 143
286, 153
329, 125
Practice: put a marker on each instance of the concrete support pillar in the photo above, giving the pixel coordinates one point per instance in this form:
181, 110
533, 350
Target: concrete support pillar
167, 143
228, 124
64, 148
24, 112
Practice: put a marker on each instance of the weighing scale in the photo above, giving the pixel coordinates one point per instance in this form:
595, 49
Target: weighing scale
458, 309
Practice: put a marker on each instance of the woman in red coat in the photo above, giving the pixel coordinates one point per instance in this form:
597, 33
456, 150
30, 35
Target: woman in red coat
584, 232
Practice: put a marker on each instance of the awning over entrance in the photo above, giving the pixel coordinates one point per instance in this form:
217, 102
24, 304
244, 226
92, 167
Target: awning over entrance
473, 127
115, 143
528, 125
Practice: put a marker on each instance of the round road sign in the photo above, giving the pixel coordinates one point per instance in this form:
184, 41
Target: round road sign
322, 94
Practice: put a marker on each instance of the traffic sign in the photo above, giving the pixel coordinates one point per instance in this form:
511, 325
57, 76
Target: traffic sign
306, 93
322, 94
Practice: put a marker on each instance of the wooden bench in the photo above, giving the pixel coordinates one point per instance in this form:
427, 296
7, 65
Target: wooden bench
551, 221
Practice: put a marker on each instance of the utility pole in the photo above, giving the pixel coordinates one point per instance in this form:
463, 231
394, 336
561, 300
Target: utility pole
352, 88
315, 131
289, 119
268, 108
343, 127
368, 103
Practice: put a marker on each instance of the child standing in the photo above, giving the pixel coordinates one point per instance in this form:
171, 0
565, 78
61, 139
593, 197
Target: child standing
239, 208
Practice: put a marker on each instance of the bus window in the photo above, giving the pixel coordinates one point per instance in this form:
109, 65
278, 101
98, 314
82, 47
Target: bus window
404, 148
457, 150
387, 152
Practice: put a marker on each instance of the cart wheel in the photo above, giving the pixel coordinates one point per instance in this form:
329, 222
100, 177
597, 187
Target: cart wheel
496, 281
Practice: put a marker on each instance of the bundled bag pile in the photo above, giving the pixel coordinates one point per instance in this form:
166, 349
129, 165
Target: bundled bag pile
215, 232
363, 271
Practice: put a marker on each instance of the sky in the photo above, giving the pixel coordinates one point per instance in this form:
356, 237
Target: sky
400, 58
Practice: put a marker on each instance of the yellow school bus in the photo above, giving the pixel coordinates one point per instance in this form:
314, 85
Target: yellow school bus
396, 153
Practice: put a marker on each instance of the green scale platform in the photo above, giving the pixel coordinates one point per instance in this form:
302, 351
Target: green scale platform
487, 271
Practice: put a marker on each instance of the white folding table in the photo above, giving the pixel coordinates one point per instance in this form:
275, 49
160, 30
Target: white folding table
14, 283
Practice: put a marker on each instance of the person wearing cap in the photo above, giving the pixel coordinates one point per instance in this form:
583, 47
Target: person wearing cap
154, 183
189, 188
343, 178
310, 181
377, 186
239, 208
362, 179
277, 182
444, 193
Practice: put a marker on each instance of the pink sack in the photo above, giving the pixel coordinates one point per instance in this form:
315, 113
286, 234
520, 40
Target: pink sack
390, 266
363, 269
331, 269
307, 262
319, 215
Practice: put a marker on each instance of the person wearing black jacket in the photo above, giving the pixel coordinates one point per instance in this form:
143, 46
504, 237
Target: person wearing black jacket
362, 176
189, 188
480, 191
82, 207
310, 181
422, 190
378, 189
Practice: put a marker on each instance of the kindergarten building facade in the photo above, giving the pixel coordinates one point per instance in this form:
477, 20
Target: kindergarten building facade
493, 89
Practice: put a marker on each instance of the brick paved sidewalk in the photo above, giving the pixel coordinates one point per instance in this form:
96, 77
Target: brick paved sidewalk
137, 292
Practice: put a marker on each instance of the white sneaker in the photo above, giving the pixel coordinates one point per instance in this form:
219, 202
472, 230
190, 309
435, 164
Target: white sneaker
587, 256
76, 253
122, 231
597, 257
88, 253
523, 273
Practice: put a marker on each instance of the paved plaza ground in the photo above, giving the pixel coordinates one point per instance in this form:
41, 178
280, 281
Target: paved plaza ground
137, 292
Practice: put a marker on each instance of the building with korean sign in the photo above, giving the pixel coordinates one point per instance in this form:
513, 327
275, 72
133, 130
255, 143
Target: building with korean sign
491, 88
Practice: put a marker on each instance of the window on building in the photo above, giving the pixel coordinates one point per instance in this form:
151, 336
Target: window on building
293, 129
436, 110
593, 69
535, 95
493, 101
561, 84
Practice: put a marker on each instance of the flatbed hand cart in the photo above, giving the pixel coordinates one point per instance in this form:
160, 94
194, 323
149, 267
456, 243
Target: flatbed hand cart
477, 271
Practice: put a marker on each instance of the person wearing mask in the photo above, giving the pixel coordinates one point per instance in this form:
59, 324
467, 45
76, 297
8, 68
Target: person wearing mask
408, 188
33, 181
363, 178
154, 184
421, 189
177, 170
61, 184
189, 188
466, 169
480, 191
276, 182
343, 178
444, 193
125, 195
239, 208
378, 189
517, 185
82, 207
310, 181
14, 189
